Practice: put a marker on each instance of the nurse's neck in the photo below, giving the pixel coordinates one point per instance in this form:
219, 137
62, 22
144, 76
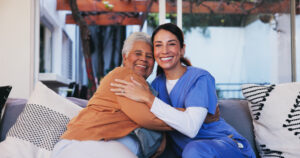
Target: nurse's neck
175, 74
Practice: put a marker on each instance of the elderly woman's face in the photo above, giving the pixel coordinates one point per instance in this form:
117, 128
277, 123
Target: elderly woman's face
140, 59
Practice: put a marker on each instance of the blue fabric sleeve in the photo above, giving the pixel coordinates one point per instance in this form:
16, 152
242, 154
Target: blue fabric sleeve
154, 84
203, 94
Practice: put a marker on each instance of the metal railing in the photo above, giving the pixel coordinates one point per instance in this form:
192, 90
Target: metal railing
232, 90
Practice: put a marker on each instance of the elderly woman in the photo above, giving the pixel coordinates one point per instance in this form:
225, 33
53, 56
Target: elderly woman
109, 122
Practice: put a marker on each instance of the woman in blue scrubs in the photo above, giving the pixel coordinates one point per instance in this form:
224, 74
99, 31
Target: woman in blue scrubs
180, 85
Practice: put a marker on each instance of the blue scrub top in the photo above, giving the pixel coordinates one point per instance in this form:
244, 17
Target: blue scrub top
195, 88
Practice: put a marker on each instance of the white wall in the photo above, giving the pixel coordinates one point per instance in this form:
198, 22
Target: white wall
256, 53
259, 53
17, 46
267, 51
219, 51
19, 42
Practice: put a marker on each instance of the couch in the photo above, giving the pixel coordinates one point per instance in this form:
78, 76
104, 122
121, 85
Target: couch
235, 112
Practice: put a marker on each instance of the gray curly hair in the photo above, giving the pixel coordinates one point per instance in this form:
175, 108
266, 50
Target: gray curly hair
136, 36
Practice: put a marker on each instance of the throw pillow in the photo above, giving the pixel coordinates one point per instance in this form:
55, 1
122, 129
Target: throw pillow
4, 92
39, 126
275, 110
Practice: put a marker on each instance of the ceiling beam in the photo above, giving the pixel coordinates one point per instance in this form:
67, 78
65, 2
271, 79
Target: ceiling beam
107, 19
237, 7
206, 7
99, 6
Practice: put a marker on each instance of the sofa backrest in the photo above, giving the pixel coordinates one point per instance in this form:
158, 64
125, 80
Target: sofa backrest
237, 114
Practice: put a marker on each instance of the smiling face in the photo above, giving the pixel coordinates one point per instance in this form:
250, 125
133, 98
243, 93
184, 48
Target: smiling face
140, 59
167, 51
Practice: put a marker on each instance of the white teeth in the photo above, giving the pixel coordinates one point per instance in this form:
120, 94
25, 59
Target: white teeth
141, 66
168, 58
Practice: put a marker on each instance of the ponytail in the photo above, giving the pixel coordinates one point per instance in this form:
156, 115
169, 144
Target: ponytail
185, 61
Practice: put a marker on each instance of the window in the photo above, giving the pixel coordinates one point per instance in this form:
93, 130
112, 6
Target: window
46, 47
55, 68
67, 57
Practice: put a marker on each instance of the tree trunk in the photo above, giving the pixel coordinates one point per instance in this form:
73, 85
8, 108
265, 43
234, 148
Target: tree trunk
122, 38
113, 49
101, 36
85, 40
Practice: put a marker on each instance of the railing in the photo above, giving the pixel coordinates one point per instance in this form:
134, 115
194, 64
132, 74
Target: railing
232, 90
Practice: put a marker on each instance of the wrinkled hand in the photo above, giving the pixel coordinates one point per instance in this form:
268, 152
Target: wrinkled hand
132, 90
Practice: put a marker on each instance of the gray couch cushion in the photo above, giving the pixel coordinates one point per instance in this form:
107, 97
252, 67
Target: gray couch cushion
237, 114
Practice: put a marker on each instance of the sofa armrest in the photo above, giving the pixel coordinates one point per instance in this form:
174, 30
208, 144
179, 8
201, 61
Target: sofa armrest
12, 110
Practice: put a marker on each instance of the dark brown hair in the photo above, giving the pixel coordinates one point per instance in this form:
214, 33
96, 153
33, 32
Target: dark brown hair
175, 30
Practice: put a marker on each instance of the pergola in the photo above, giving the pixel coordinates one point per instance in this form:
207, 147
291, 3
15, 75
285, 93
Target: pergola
134, 12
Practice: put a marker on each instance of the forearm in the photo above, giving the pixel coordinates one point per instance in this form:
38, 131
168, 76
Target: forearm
140, 114
148, 100
155, 124
187, 122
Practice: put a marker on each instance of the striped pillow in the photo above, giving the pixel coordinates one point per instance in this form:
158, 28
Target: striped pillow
275, 110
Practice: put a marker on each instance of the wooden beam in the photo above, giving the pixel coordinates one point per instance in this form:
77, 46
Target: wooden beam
99, 6
107, 19
237, 8
206, 7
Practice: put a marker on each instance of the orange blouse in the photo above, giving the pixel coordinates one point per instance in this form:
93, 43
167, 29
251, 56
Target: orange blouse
108, 116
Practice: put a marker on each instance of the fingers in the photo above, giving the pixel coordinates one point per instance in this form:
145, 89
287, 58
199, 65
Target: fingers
118, 85
122, 81
122, 85
135, 82
120, 94
118, 91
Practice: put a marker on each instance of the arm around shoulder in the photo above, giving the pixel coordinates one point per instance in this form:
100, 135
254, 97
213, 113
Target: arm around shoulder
140, 112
